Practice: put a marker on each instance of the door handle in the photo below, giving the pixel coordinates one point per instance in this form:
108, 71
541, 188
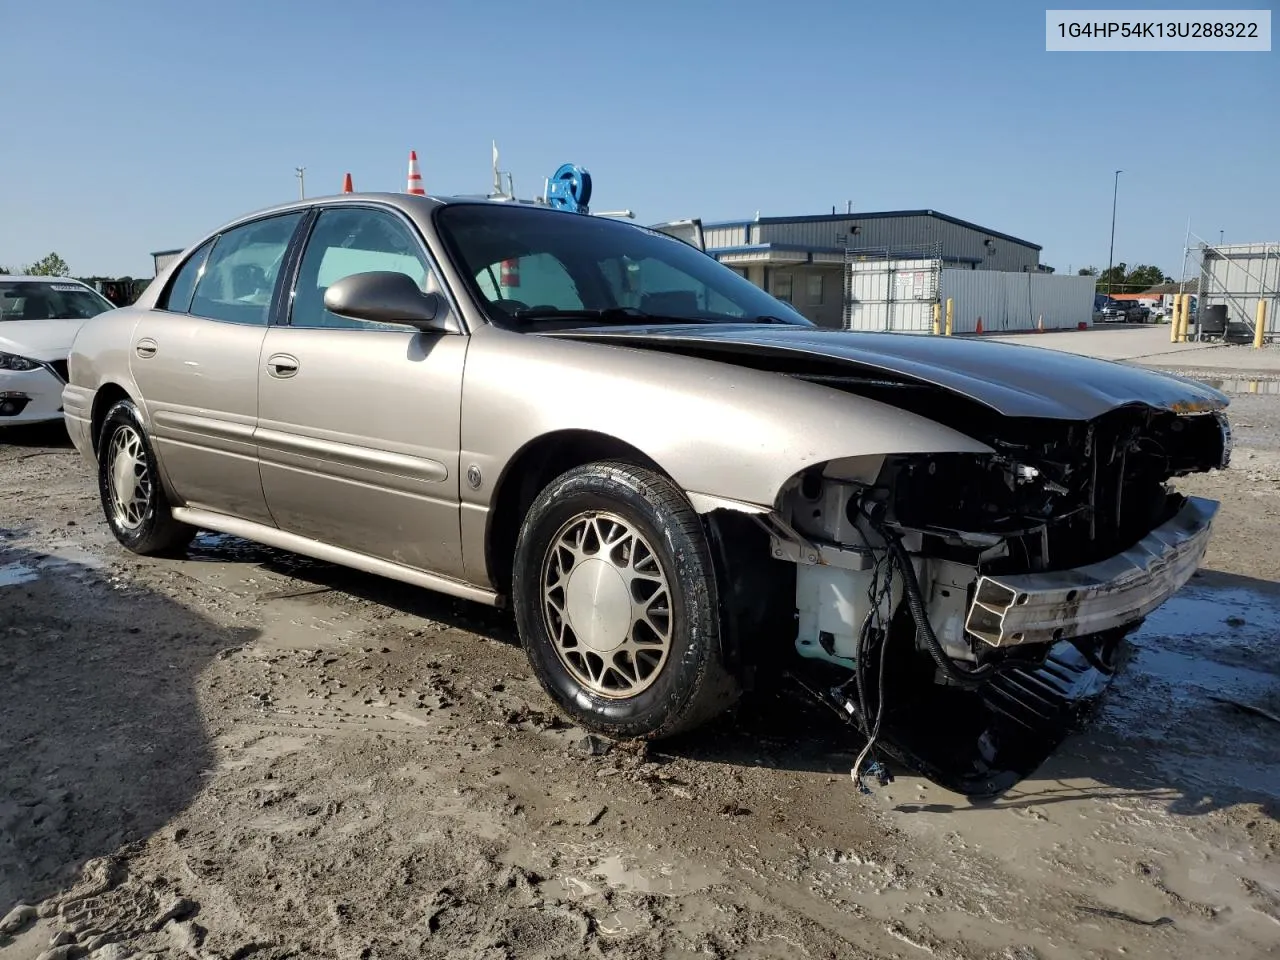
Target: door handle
282, 366
146, 347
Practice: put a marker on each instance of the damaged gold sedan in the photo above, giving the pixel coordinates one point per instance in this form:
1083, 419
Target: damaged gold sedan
677, 483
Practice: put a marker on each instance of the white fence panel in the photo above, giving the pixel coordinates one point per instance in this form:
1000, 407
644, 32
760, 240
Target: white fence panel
1009, 302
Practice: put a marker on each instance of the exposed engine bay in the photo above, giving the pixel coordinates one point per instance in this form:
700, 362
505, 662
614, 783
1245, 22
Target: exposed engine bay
961, 610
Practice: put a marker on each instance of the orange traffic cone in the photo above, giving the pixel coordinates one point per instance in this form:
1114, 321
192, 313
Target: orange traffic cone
979, 330
415, 178
346, 184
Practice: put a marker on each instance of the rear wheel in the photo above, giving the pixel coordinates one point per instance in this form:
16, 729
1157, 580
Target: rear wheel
615, 598
133, 499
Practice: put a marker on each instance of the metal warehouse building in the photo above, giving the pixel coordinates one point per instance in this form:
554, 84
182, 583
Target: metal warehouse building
890, 271
805, 260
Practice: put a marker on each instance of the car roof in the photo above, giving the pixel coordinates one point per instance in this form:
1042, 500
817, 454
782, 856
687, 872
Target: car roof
406, 202
40, 278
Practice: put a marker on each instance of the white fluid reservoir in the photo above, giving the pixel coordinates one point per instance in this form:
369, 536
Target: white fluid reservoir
831, 604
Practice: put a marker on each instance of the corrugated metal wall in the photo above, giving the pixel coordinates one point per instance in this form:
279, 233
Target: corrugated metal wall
956, 240
719, 237
162, 260
1016, 301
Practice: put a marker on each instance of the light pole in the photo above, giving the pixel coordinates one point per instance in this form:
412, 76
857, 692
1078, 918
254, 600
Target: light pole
1115, 192
301, 174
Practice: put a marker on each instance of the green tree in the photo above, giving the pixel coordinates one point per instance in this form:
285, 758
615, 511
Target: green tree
1112, 279
6, 270
1087, 272
1143, 277
49, 266
1045, 268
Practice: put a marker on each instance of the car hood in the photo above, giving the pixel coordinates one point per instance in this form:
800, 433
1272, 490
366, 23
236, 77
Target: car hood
1013, 379
39, 339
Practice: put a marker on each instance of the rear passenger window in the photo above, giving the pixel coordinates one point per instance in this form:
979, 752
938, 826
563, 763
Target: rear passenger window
239, 277
178, 299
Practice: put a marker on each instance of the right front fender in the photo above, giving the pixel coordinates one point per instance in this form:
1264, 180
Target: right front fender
721, 432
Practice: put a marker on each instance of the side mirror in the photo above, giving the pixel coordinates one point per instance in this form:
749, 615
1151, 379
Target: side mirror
384, 296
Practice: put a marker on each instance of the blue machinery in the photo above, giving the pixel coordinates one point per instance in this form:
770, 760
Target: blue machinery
569, 189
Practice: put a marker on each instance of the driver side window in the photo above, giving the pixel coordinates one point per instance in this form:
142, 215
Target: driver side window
347, 241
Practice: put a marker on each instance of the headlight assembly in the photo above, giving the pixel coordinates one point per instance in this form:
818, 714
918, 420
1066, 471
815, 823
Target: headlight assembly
11, 361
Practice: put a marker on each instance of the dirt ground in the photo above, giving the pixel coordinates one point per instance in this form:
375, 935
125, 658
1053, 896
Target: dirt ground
248, 754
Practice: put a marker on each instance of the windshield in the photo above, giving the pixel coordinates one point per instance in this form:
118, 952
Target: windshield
49, 300
529, 266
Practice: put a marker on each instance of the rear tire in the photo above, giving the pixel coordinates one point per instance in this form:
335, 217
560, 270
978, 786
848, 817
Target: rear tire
133, 498
615, 599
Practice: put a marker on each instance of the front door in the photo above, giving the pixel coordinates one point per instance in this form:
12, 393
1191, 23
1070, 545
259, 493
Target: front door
195, 359
358, 422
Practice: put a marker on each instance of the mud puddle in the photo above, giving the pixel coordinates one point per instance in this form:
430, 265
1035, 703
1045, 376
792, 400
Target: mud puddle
58, 560
1242, 386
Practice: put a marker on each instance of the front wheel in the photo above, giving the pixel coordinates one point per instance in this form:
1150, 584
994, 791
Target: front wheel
133, 498
615, 599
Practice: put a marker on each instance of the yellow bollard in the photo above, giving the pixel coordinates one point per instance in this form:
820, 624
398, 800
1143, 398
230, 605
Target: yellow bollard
937, 319
1177, 318
1260, 324
950, 306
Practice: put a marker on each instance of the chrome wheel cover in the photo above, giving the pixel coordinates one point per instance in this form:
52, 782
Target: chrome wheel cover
129, 479
606, 605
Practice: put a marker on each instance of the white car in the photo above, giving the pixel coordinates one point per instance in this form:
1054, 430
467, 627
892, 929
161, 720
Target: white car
39, 317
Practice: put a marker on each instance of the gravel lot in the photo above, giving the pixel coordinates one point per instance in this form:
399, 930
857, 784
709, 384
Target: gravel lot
248, 754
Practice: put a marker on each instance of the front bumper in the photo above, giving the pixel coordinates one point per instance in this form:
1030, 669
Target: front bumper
1046, 607
35, 395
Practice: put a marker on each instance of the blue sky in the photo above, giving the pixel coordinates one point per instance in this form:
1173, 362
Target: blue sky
134, 127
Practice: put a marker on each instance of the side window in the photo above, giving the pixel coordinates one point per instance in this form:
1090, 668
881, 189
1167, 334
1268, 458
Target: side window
239, 276
178, 299
814, 283
347, 241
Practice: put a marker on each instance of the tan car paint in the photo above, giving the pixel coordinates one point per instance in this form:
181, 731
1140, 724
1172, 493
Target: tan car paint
362, 482
359, 448
199, 379
715, 429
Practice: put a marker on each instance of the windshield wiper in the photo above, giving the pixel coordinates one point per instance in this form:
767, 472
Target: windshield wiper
605, 315
766, 318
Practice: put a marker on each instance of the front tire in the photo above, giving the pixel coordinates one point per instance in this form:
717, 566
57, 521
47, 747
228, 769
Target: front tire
133, 498
615, 599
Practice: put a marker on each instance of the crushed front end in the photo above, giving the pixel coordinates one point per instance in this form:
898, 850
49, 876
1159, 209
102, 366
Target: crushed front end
963, 610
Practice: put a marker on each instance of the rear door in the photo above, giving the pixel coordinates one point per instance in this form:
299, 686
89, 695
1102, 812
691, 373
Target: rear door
195, 358
358, 425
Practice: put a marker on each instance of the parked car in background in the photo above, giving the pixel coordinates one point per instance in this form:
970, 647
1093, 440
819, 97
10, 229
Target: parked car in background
1115, 310
39, 317
676, 482
1127, 311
